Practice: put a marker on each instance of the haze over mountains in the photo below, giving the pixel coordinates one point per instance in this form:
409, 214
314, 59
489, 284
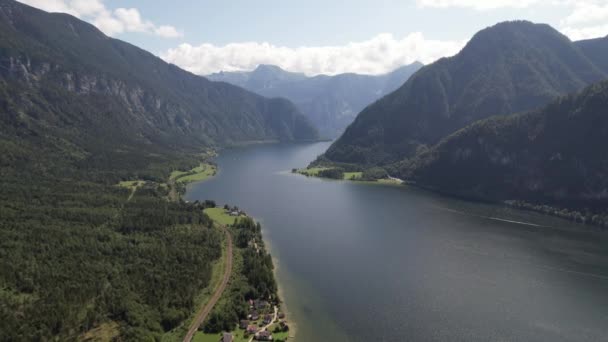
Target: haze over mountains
330, 102
507, 68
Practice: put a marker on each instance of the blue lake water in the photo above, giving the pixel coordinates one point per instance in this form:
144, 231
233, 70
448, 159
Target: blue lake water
360, 262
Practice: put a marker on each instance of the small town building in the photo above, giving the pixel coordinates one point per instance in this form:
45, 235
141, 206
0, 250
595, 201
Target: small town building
243, 324
254, 316
252, 329
263, 336
227, 337
267, 319
260, 304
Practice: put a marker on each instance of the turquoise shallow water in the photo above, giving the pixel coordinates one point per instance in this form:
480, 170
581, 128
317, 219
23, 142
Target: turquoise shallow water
361, 262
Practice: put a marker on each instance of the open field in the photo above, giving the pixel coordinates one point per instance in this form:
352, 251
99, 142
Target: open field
199, 173
352, 175
220, 216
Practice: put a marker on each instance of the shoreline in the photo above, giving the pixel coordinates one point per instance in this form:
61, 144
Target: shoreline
293, 325
281, 293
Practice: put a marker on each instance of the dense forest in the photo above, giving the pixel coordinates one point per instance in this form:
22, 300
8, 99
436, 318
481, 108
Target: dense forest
93, 85
252, 280
504, 69
79, 114
76, 253
554, 158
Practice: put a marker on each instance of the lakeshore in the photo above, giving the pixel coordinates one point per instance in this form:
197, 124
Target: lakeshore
214, 302
355, 176
265, 319
350, 254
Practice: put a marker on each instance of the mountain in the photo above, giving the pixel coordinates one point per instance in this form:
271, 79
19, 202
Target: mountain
63, 75
94, 241
596, 50
555, 155
507, 68
330, 102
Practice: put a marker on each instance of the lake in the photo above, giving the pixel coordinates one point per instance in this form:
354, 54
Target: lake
361, 262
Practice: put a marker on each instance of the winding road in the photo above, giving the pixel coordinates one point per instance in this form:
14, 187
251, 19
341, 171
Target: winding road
206, 309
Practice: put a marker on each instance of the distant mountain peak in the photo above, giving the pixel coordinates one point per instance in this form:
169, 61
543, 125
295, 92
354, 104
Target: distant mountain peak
268, 67
509, 67
331, 102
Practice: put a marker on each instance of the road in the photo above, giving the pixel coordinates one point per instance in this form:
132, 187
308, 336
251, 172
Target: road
276, 312
206, 309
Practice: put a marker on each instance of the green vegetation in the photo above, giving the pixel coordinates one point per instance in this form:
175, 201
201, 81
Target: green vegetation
131, 185
372, 175
84, 124
352, 175
331, 102
218, 268
312, 171
220, 215
252, 278
238, 335
508, 68
551, 160
197, 174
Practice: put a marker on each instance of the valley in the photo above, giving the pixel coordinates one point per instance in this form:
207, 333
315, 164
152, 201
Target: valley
413, 172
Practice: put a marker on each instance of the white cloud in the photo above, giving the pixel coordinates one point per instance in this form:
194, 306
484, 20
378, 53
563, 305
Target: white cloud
477, 4
380, 54
110, 22
586, 32
586, 12
589, 19
167, 31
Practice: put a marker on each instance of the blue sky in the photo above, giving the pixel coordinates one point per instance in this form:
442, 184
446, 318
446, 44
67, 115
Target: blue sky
314, 36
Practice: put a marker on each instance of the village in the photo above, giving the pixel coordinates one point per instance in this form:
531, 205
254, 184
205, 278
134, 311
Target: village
265, 322
262, 318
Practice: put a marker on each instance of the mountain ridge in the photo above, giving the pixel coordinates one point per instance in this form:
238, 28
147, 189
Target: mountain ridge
553, 155
330, 102
506, 68
158, 100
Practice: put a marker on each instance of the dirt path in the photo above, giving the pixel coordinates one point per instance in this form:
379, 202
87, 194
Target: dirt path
206, 309
276, 313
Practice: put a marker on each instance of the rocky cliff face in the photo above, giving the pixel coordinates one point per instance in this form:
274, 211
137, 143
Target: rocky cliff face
105, 86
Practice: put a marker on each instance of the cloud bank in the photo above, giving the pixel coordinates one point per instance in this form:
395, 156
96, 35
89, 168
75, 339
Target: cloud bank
380, 54
478, 4
109, 22
588, 18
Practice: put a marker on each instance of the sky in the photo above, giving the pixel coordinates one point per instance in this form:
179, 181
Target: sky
318, 36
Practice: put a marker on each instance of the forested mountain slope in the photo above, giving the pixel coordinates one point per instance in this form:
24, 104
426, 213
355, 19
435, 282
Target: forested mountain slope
596, 50
556, 155
507, 68
330, 102
57, 60
80, 256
